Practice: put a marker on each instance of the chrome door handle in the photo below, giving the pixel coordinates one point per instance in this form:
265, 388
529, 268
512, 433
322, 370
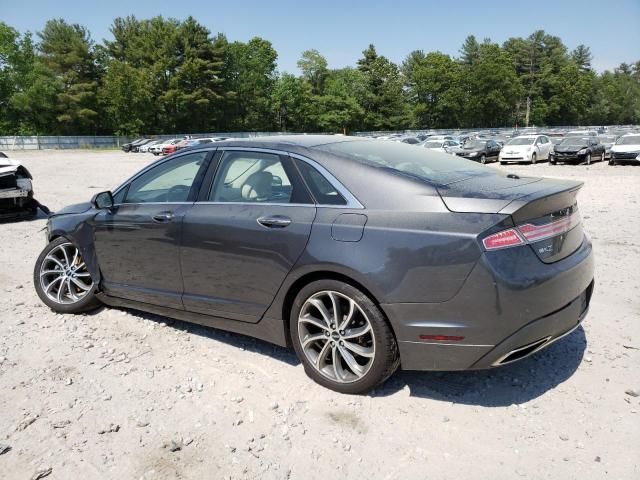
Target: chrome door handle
275, 221
163, 217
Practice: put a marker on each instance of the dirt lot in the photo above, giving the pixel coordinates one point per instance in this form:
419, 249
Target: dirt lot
120, 394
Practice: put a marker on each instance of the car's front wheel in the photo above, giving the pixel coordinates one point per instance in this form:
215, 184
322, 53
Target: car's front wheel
62, 280
342, 337
533, 158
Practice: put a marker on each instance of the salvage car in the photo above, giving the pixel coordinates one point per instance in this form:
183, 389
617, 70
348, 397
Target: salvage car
16, 190
457, 266
479, 150
577, 150
444, 146
626, 150
526, 148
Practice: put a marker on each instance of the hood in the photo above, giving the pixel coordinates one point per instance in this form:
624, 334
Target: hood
8, 165
516, 148
75, 208
569, 148
626, 148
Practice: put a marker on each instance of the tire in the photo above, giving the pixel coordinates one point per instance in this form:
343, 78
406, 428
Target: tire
503, 163
533, 158
612, 162
64, 296
483, 159
587, 160
380, 357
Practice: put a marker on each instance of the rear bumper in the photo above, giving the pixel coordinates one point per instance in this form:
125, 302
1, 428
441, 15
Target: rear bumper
501, 307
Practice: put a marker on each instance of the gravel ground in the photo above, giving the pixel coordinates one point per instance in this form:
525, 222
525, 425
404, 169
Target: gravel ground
122, 394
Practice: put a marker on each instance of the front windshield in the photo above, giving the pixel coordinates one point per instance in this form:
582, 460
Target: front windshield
629, 140
408, 160
433, 144
574, 142
521, 141
475, 144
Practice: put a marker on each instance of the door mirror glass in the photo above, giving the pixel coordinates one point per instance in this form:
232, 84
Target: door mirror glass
102, 200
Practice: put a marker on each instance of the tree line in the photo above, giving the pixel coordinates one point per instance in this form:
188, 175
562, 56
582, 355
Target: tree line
163, 75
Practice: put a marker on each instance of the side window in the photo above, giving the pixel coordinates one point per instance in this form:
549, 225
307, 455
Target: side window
321, 188
170, 181
256, 177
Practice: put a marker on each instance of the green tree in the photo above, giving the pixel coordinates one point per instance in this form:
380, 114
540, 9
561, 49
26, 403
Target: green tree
314, 69
249, 72
292, 101
434, 88
383, 101
67, 51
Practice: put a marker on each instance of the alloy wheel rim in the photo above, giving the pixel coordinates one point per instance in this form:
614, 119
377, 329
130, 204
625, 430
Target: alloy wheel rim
336, 336
64, 277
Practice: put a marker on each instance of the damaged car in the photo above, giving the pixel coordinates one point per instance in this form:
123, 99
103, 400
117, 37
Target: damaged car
16, 190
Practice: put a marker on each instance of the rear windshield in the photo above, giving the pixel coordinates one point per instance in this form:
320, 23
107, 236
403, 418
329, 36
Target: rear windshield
475, 144
629, 140
402, 159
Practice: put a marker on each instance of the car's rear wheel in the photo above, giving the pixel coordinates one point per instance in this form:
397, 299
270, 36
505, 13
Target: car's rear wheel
342, 338
62, 280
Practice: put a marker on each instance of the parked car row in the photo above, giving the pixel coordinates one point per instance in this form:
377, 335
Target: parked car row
166, 147
555, 146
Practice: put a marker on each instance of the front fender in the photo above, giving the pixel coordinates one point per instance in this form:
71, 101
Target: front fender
78, 229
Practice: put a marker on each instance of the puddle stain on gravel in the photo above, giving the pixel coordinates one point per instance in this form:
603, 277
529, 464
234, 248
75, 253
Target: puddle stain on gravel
348, 419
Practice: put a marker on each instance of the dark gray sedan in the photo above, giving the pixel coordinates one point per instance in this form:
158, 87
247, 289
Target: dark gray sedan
363, 255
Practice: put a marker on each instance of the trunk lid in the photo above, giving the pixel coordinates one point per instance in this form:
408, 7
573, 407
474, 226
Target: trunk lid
544, 210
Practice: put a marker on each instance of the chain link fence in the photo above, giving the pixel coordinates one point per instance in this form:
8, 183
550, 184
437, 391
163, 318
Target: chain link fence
102, 141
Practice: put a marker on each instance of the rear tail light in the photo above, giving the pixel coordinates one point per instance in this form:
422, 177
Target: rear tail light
503, 239
530, 233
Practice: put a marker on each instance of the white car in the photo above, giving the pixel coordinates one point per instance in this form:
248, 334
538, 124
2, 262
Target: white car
445, 146
626, 149
526, 148
16, 190
145, 148
157, 148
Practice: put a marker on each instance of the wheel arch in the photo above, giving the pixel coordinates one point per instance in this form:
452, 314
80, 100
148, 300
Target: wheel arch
305, 279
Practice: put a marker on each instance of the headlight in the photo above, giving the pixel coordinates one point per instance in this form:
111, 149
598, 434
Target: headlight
582, 152
473, 154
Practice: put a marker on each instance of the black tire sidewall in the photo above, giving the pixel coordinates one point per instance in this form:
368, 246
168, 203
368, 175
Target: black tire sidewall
88, 302
386, 360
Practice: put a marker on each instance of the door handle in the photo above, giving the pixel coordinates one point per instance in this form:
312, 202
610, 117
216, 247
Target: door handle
163, 217
275, 221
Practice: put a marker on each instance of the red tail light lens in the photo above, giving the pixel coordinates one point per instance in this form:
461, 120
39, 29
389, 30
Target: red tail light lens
503, 239
530, 233
535, 233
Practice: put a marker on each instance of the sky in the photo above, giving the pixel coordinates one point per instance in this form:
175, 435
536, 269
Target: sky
341, 30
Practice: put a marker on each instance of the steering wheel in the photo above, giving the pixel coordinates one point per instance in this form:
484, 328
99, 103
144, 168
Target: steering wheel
178, 193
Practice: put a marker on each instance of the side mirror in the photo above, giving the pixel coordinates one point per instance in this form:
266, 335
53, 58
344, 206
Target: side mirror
102, 200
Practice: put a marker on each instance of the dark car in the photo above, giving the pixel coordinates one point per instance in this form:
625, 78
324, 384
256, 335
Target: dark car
480, 150
136, 148
363, 255
128, 147
578, 150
